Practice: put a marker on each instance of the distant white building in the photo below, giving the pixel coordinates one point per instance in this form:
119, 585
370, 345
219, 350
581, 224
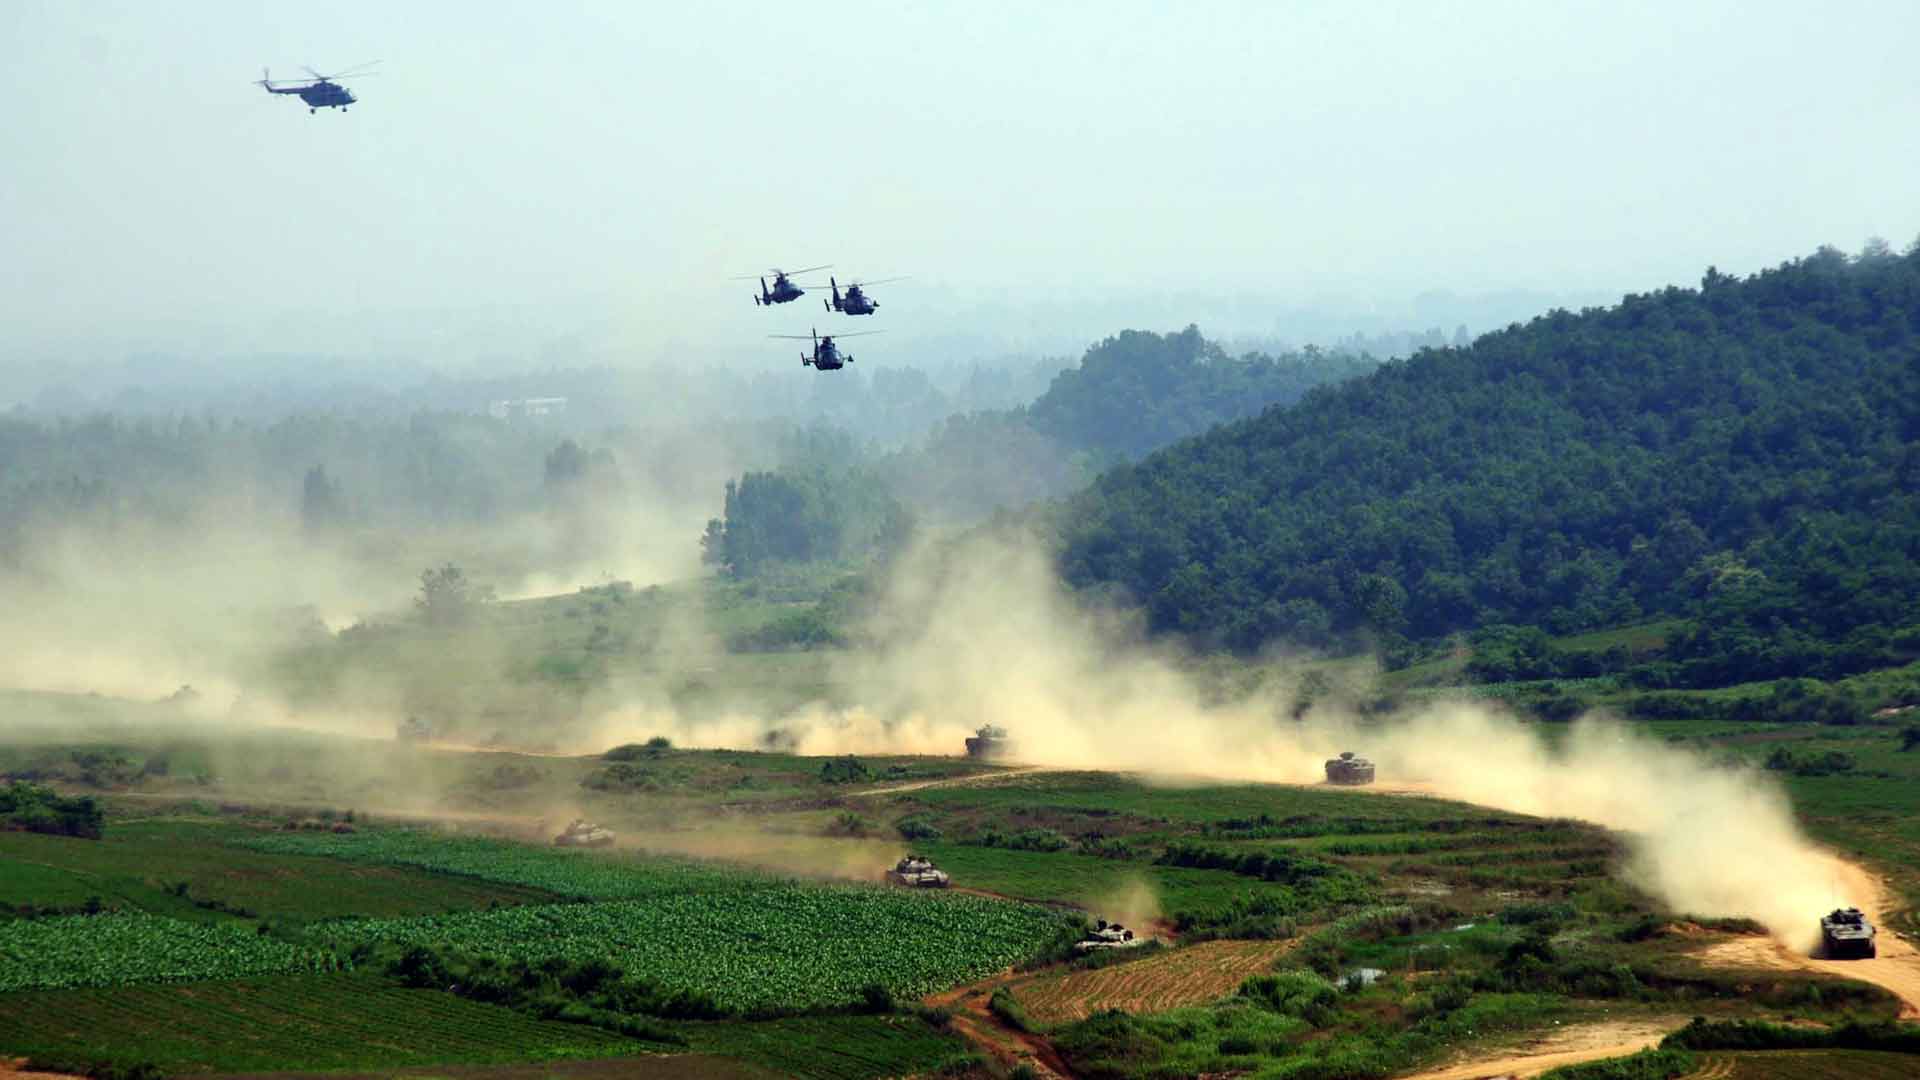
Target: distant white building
516, 408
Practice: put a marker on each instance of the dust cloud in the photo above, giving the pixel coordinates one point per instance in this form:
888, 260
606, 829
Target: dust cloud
981, 632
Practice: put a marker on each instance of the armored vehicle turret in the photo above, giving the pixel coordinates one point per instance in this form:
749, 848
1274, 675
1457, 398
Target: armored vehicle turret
1845, 933
1348, 769
582, 833
1108, 935
919, 872
989, 742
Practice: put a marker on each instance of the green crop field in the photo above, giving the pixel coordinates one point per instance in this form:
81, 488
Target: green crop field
774, 946
112, 950
832, 1047
589, 875
140, 864
289, 1022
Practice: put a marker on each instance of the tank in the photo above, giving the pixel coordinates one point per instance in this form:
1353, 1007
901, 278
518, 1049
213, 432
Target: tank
919, 872
581, 833
1108, 935
1348, 769
1845, 933
989, 742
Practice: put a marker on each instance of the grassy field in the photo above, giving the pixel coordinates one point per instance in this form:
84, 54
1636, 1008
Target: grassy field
312, 1022
143, 864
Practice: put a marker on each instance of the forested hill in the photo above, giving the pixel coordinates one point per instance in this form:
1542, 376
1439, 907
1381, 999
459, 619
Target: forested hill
1137, 391
1747, 452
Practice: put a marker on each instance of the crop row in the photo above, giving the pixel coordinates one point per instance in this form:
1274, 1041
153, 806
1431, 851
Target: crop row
116, 949
789, 947
570, 873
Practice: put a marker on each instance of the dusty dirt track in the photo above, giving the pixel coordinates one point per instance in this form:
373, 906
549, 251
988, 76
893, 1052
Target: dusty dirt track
1570, 1045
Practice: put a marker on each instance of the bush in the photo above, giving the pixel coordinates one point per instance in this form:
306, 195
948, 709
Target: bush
1651, 1064
1909, 737
1008, 1008
844, 770
1704, 1034
654, 747
917, 827
42, 810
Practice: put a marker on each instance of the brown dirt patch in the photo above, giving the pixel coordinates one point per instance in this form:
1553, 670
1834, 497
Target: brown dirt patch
1568, 1045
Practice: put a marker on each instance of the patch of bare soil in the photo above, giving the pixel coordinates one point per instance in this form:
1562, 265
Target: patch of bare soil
973, 1022
1568, 1045
950, 781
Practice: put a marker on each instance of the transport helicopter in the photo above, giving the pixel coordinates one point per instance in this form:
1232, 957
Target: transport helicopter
783, 287
321, 91
856, 301
826, 355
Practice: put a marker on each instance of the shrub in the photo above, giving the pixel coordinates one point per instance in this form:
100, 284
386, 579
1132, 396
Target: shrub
917, 827
1008, 1008
844, 770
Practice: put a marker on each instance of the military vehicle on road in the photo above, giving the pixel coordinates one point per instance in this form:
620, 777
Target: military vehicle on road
582, 833
919, 872
1845, 933
1108, 935
1348, 769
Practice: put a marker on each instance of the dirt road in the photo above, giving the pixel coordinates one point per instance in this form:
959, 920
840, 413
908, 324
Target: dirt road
1569, 1045
1896, 969
951, 781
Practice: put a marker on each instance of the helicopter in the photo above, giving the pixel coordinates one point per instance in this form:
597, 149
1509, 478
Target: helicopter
826, 355
320, 92
783, 289
855, 302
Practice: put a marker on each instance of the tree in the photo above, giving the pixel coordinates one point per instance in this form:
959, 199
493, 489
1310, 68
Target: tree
320, 502
447, 597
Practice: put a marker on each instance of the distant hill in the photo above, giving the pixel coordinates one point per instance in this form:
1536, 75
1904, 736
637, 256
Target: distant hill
1137, 391
1747, 452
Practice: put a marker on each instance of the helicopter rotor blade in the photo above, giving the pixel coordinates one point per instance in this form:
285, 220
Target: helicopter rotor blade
856, 333
882, 281
804, 337
358, 69
797, 273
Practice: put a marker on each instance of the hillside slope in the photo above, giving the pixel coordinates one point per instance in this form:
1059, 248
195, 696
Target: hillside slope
1747, 452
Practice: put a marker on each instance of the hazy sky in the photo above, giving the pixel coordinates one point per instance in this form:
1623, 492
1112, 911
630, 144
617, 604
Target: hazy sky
596, 171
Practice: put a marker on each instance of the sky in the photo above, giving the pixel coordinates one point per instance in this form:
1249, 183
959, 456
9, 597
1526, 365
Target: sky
529, 183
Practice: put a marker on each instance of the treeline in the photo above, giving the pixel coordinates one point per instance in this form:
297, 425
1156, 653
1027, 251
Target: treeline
1129, 394
1746, 454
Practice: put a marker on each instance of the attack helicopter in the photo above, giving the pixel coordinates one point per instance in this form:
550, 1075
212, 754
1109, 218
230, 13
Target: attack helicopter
321, 91
856, 301
783, 287
826, 355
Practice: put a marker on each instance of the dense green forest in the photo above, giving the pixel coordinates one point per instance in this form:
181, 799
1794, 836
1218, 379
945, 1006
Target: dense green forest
1137, 391
1129, 394
1746, 454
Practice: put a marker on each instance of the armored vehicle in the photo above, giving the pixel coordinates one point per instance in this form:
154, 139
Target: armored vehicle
918, 871
1108, 935
413, 729
1348, 769
989, 742
581, 833
1844, 933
